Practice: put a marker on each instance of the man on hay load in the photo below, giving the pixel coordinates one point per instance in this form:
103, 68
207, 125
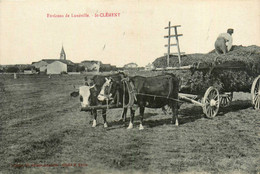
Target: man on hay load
224, 41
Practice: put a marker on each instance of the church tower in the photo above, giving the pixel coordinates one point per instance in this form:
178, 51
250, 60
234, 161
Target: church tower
62, 54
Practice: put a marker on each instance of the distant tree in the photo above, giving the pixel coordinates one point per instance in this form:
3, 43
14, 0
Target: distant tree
27, 68
12, 69
107, 68
81, 68
71, 68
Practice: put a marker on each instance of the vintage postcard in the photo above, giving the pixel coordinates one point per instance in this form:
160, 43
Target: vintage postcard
110, 86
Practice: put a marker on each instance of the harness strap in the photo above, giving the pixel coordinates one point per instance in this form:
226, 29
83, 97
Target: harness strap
131, 92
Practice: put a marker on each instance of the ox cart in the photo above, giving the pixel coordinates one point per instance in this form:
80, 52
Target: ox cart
214, 98
210, 98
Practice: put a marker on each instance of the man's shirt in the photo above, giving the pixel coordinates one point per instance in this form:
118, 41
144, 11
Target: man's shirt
228, 38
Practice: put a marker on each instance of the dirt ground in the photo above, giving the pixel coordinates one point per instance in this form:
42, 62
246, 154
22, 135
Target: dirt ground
43, 131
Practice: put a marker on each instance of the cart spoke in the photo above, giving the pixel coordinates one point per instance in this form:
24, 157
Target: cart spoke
257, 102
213, 94
214, 111
211, 112
208, 110
226, 101
256, 98
229, 99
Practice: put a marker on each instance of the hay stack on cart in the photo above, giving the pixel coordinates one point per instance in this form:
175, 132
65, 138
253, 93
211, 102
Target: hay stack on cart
237, 71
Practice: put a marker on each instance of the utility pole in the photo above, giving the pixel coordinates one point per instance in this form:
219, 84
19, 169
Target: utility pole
176, 35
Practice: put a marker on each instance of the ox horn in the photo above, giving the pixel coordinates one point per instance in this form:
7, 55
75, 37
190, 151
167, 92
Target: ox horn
92, 86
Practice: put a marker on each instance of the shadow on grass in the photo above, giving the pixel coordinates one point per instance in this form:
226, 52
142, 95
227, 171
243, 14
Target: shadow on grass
187, 114
193, 113
126, 123
235, 106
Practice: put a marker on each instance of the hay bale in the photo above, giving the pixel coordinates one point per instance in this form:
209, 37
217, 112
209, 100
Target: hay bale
225, 79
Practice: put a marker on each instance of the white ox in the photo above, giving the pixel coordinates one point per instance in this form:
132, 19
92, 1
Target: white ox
102, 96
84, 93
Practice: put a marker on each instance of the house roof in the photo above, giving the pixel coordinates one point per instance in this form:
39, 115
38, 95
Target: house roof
90, 61
68, 62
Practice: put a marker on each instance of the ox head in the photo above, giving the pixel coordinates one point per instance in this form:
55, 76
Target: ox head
105, 90
84, 93
112, 88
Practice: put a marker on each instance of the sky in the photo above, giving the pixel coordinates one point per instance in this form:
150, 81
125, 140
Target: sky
135, 35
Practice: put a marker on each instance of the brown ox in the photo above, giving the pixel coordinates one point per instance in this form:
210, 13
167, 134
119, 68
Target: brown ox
151, 92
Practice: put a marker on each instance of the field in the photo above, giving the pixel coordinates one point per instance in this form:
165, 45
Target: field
42, 125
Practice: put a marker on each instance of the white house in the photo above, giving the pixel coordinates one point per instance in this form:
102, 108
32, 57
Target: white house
149, 67
41, 65
131, 65
43, 68
56, 67
91, 65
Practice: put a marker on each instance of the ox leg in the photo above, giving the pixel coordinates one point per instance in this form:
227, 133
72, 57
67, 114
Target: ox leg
95, 118
104, 115
141, 118
175, 113
125, 112
131, 119
123, 115
164, 110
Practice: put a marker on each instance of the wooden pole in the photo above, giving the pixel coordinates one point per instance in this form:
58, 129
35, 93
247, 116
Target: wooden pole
177, 42
89, 108
169, 45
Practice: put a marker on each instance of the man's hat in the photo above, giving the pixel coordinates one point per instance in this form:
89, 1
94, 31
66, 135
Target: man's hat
230, 30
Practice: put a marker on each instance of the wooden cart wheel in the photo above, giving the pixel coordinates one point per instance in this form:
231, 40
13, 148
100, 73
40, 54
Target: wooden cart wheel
255, 92
226, 99
211, 101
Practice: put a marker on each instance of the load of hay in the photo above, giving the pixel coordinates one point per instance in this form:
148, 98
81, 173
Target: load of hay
233, 72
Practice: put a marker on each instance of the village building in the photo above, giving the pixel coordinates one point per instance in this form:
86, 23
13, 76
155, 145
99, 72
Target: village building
41, 65
130, 65
91, 65
149, 67
62, 54
54, 66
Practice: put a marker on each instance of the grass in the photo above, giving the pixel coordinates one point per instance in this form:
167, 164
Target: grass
42, 124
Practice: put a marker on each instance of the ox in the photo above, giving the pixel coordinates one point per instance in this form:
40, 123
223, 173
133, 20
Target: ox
94, 93
151, 92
